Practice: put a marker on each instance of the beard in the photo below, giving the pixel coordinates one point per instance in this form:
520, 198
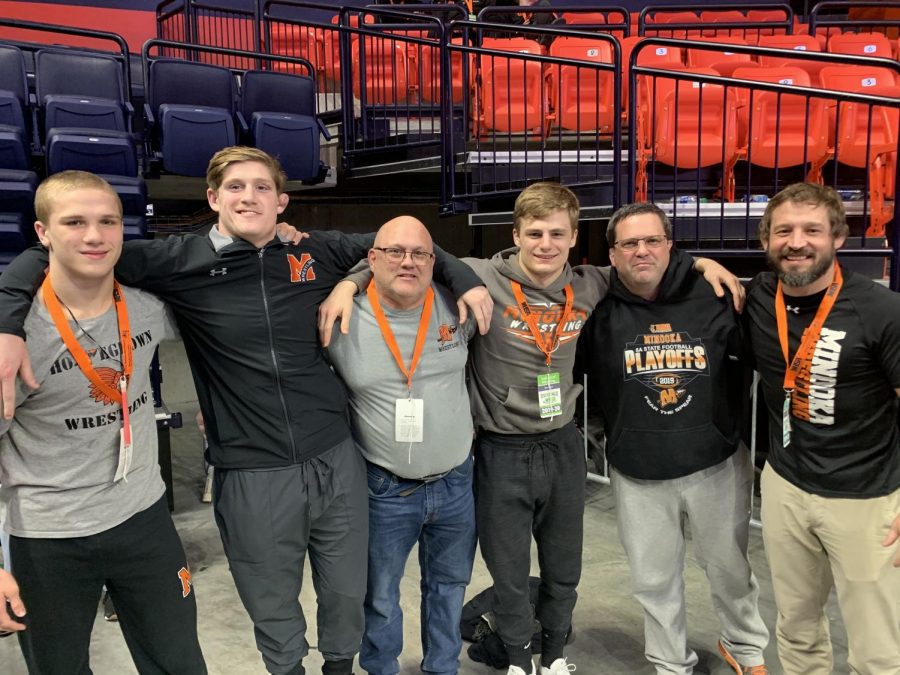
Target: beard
800, 279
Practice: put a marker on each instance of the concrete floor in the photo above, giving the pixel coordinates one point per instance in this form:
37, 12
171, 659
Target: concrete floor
607, 619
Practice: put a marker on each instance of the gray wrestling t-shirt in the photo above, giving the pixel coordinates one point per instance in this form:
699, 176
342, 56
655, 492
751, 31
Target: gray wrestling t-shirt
59, 454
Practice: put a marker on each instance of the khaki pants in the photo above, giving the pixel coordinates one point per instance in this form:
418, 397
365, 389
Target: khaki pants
814, 543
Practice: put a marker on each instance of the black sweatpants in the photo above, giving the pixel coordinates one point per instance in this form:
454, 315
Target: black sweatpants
269, 521
531, 485
142, 564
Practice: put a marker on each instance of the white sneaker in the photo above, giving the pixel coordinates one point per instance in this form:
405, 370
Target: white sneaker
558, 667
515, 670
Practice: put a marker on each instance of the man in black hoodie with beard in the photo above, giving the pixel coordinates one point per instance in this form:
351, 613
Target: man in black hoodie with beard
661, 354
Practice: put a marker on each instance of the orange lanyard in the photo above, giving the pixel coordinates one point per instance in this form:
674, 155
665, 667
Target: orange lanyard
54, 306
388, 334
547, 344
811, 337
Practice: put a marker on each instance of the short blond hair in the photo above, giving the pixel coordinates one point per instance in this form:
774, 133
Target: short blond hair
539, 200
224, 158
54, 187
808, 193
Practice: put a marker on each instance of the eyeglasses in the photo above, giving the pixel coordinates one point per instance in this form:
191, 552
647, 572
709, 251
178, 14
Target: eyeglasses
654, 241
398, 255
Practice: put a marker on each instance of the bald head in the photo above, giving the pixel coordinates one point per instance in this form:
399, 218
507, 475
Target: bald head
402, 262
403, 226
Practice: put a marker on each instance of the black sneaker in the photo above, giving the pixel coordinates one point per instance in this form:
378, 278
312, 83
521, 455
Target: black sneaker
490, 651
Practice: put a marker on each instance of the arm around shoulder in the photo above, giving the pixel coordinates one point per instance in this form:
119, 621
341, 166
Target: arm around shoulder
19, 284
153, 264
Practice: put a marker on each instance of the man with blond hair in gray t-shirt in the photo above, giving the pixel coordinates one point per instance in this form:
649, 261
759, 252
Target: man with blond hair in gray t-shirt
404, 364
78, 462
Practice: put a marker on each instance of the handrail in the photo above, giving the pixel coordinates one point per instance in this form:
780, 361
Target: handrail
375, 30
624, 24
253, 15
162, 15
188, 47
644, 24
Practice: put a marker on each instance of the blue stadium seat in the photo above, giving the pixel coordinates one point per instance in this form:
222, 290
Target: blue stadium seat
13, 87
94, 150
190, 109
16, 213
13, 237
281, 110
83, 112
17, 194
78, 89
133, 193
14, 153
87, 115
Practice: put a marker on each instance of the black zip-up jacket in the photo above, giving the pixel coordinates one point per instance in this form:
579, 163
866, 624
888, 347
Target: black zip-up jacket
248, 320
666, 375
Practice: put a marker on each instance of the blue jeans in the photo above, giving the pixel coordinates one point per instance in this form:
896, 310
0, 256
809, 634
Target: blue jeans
440, 516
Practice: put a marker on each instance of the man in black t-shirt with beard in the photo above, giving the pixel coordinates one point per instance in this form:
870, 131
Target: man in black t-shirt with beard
831, 486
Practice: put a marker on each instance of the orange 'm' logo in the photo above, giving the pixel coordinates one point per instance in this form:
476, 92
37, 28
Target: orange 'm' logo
301, 270
110, 377
445, 333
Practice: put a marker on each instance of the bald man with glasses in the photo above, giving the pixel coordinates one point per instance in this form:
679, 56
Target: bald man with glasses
404, 362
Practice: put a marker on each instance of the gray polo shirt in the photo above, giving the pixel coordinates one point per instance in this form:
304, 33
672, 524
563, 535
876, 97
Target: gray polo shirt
375, 382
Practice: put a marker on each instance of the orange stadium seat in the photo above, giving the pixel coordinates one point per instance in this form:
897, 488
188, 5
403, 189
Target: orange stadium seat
578, 19
304, 42
658, 57
429, 73
865, 136
861, 44
765, 16
721, 60
332, 46
798, 43
582, 98
790, 75
783, 130
512, 93
386, 70
663, 17
691, 126
723, 16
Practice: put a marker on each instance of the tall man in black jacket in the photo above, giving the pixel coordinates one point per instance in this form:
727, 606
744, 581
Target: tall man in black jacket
659, 354
289, 478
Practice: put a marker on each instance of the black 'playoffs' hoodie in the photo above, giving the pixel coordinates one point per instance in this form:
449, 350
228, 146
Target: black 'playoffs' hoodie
665, 375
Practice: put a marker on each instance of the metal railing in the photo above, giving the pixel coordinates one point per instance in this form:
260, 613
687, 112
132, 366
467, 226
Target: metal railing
832, 15
534, 13
318, 41
120, 53
650, 26
173, 22
196, 53
216, 26
708, 146
516, 133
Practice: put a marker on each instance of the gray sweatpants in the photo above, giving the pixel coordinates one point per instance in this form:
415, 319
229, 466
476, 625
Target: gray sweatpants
651, 515
268, 520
